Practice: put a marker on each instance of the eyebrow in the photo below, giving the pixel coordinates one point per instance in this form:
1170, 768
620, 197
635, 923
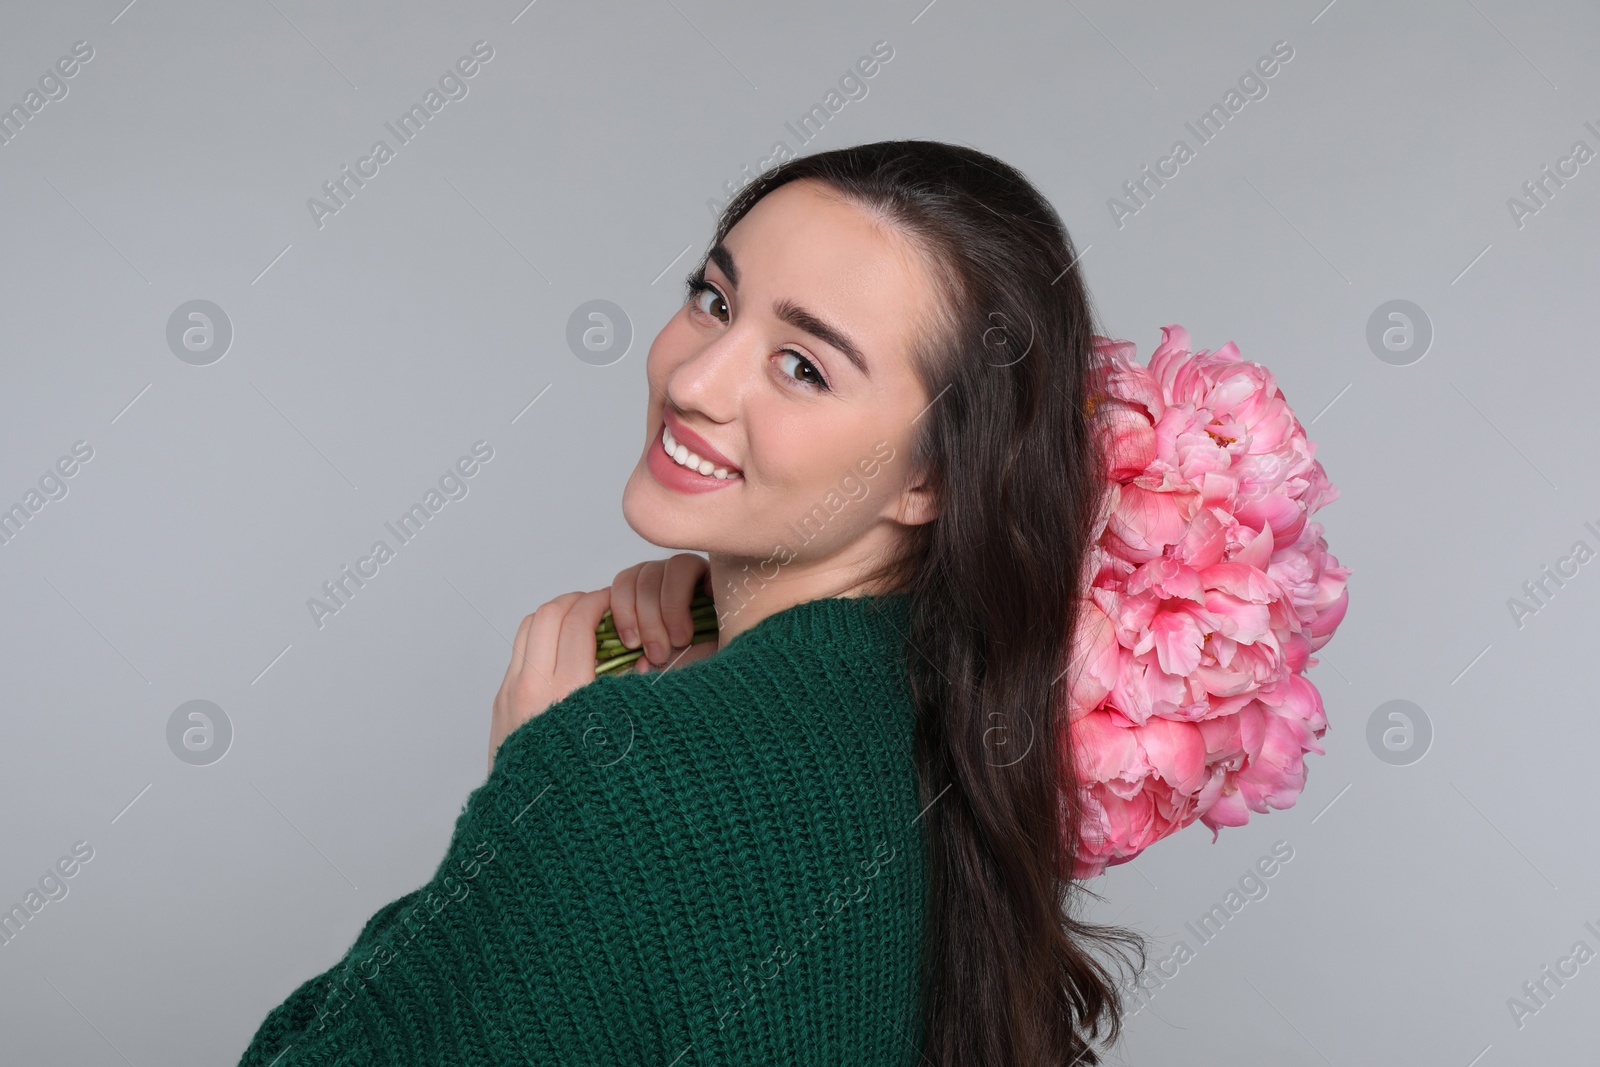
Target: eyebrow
795, 315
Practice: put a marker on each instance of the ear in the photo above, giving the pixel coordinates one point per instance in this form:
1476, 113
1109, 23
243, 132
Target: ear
916, 504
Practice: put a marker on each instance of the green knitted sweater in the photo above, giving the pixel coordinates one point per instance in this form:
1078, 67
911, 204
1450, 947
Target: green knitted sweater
716, 864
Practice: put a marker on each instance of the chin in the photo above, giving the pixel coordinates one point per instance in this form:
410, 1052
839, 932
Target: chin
647, 511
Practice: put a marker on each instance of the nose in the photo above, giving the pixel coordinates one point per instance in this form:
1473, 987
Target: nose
713, 380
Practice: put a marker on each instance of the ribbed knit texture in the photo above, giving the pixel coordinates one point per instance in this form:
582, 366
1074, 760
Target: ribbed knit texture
717, 864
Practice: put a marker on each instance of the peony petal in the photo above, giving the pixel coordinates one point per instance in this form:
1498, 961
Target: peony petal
1102, 750
1168, 578
1127, 438
1146, 522
1241, 580
1208, 588
1257, 551
1176, 751
1177, 638
1244, 622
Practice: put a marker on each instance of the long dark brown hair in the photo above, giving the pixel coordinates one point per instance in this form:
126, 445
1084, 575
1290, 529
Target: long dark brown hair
1009, 977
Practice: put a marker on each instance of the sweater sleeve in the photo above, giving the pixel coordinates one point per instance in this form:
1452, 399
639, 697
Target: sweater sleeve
462, 970
624, 889
299, 1011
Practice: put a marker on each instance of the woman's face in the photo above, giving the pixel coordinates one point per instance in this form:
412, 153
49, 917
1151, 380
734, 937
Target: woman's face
791, 372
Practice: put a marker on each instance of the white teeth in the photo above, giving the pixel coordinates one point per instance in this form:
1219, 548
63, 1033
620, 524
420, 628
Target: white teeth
684, 458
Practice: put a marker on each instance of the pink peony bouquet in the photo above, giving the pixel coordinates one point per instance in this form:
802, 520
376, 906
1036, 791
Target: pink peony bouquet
1208, 590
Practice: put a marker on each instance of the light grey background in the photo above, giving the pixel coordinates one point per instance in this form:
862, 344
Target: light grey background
432, 310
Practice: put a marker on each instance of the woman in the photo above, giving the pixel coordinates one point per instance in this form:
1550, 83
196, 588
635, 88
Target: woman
843, 834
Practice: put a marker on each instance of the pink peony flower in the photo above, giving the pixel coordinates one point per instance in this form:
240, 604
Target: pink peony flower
1208, 590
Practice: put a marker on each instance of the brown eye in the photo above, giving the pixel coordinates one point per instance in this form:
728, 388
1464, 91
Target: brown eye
805, 367
702, 290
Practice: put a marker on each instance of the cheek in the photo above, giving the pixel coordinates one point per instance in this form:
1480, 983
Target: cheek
780, 447
671, 348
797, 454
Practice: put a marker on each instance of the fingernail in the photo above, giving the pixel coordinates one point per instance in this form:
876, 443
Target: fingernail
654, 651
630, 638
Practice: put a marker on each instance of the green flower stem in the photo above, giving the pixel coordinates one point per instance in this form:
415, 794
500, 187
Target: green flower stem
616, 664
612, 656
700, 612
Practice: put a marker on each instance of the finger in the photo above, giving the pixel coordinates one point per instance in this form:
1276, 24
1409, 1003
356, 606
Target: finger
519, 648
698, 650
652, 627
539, 663
623, 609
688, 654
574, 664
682, 574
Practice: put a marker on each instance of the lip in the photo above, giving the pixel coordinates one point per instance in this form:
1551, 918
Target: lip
695, 443
681, 479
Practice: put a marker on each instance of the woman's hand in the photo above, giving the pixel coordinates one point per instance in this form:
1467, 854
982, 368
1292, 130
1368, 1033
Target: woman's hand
650, 603
552, 655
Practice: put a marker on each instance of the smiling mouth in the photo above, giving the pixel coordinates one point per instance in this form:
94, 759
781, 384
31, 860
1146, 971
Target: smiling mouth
683, 457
